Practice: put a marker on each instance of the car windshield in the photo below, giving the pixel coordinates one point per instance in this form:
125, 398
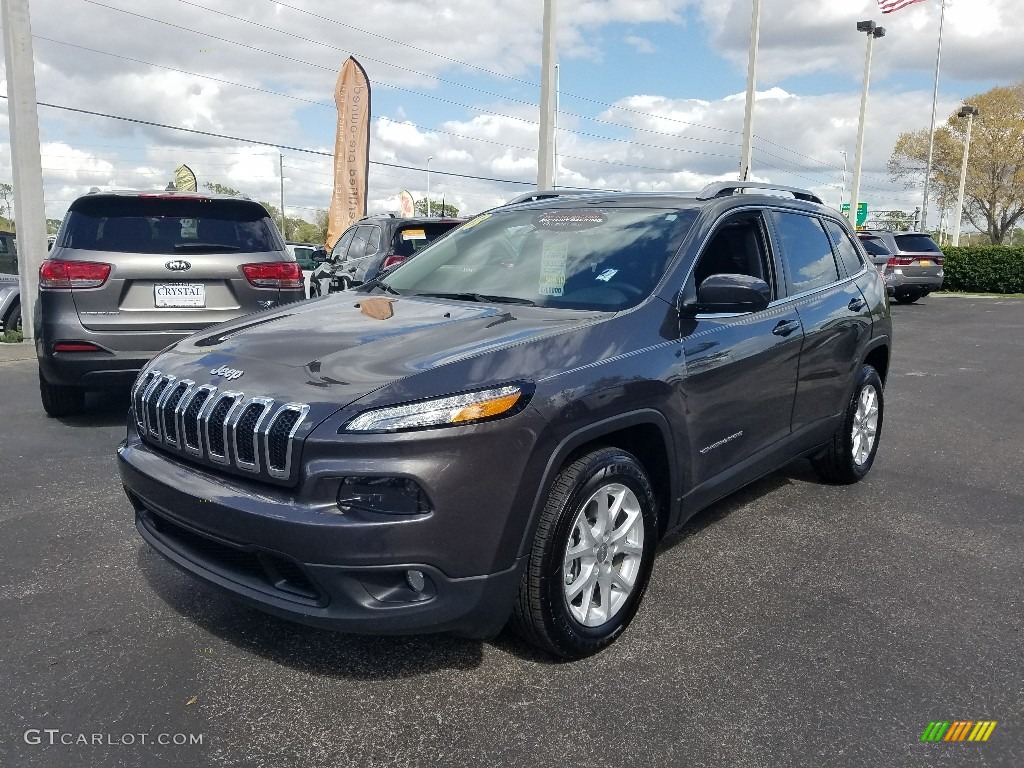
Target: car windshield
162, 224
916, 243
576, 258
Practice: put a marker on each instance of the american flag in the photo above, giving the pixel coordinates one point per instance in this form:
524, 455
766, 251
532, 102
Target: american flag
888, 6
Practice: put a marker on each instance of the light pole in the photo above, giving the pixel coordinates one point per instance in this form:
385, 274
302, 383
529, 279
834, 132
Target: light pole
546, 137
969, 112
428, 184
748, 110
842, 191
873, 31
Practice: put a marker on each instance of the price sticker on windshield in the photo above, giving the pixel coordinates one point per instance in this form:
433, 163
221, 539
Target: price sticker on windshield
552, 266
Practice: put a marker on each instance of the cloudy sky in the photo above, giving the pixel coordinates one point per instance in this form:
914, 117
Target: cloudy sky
651, 92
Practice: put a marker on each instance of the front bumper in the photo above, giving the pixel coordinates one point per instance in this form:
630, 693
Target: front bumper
293, 553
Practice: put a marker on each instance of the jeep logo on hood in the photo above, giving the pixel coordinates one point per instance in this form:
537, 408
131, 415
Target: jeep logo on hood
178, 265
228, 373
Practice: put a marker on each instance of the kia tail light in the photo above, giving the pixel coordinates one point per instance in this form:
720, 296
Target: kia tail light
57, 274
274, 274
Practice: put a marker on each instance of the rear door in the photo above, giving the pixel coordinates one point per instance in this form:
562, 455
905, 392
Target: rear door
176, 261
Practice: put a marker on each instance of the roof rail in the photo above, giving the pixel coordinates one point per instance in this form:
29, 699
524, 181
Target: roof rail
727, 188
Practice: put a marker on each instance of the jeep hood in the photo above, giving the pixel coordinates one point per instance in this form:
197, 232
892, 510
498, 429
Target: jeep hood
337, 349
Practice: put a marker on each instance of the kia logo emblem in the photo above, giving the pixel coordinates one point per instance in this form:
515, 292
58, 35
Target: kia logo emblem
178, 266
228, 373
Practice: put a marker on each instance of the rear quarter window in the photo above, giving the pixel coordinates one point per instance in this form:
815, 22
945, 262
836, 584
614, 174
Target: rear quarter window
875, 246
169, 225
848, 252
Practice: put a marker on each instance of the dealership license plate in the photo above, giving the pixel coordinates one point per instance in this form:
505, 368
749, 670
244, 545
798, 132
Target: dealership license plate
179, 295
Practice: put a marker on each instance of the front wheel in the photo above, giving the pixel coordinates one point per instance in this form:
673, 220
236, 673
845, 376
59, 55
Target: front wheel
851, 451
591, 557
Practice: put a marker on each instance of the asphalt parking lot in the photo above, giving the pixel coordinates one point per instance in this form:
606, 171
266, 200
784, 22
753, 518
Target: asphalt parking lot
793, 624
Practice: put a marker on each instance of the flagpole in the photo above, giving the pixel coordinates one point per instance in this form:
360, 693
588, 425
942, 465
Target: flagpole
931, 130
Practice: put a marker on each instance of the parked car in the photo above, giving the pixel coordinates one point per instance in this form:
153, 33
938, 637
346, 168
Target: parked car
489, 435
132, 272
307, 256
373, 244
913, 262
10, 300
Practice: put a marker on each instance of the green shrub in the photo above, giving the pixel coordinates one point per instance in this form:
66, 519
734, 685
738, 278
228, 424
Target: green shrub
984, 269
11, 337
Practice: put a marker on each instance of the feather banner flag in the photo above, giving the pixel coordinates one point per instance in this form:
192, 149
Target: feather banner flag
351, 150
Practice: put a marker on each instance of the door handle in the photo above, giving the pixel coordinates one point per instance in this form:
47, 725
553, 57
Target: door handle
785, 327
857, 304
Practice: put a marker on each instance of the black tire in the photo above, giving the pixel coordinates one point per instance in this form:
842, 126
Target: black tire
838, 463
907, 298
60, 400
542, 614
13, 320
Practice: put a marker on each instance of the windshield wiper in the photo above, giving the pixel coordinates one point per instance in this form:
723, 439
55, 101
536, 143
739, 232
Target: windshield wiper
378, 283
481, 297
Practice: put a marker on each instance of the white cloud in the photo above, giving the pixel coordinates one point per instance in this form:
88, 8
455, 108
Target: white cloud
640, 44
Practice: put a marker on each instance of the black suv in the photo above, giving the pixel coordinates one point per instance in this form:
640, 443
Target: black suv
374, 244
503, 427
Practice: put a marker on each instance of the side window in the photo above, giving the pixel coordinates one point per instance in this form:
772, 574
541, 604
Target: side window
848, 252
340, 248
810, 263
358, 249
737, 247
373, 241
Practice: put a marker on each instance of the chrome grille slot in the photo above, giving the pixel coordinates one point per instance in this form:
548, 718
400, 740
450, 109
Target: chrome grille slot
216, 426
138, 404
192, 408
246, 430
280, 433
169, 411
152, 398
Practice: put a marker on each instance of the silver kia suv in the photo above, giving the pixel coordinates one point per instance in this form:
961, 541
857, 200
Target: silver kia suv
133, 272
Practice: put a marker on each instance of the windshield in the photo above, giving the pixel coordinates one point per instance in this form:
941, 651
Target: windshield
916, 243
577, 258
167, 225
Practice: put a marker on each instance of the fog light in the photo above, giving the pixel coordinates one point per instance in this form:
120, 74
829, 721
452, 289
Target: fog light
386, 495
417, 581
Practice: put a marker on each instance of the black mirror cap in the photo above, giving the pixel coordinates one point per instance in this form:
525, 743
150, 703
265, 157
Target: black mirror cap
733, 293
319, 257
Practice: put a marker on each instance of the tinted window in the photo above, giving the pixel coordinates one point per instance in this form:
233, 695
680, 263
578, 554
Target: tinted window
338, 253
917, 243
414, 237
168, 225
809, 260
576, 258
874, 246
738, 247
358, 247
848, 252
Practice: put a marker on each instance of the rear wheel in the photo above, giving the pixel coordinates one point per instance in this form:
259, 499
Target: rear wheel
60, 400
13, 320
851, 451
591, 558
907, 298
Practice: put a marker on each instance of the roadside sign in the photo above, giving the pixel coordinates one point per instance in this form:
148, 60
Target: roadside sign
862, 212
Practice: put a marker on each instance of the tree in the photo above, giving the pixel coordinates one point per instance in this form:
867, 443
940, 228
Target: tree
895, 221
52, 226
437, 208
311, 232
220, 189
994, 194
6, 190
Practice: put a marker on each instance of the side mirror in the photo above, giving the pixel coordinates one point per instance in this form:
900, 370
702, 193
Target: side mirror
730, 293
319, 257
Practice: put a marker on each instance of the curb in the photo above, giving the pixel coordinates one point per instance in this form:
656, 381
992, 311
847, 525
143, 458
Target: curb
10, 353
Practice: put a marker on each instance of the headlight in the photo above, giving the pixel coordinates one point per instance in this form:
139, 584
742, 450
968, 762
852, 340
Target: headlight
440, 412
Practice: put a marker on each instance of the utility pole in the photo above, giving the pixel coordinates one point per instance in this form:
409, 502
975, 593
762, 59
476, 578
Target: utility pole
29, 210
548, 56
748, 112
931, 129
284, 221
873, 31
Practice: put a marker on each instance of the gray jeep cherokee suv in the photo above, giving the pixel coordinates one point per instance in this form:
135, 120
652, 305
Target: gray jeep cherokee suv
502, 428
132, 272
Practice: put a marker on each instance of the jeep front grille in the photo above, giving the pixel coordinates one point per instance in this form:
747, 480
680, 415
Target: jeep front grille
253, 434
